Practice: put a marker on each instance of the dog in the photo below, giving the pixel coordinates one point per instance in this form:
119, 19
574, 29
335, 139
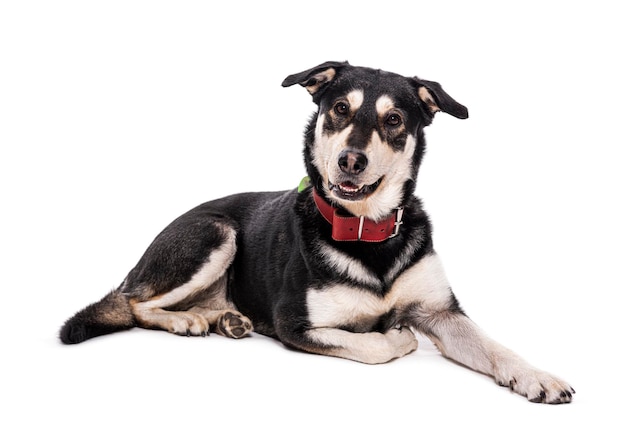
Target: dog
342, 266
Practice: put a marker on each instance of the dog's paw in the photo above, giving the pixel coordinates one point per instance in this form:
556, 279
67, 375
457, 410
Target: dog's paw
536, 385
402, 341
186, 323
234, 325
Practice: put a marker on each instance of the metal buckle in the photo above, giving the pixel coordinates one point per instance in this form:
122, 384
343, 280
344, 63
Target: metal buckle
398, 222
361, 220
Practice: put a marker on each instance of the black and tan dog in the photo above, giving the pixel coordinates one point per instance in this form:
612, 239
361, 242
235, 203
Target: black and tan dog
343, 267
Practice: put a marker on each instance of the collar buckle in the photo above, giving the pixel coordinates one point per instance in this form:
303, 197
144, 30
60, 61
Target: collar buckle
358, 228
360, 232
398, 222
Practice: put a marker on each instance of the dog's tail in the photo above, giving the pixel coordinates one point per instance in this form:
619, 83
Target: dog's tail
112, 313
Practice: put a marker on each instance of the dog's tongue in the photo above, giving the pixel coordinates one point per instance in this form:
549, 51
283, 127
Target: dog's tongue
349, 187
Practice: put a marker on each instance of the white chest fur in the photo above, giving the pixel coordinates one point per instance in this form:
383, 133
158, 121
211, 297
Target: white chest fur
337, 305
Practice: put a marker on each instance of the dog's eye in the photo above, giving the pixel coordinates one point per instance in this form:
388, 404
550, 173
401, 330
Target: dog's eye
341, 108
393, 120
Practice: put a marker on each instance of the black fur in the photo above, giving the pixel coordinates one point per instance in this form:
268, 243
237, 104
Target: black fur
110, 314
270, 259
278, 233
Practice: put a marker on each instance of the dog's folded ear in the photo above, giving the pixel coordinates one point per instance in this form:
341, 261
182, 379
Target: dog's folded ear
436, 99
315, 78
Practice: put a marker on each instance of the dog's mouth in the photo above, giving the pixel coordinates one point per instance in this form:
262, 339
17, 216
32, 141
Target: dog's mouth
350, 191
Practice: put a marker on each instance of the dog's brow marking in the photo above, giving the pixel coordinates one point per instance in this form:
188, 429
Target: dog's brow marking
384, 104
355, 98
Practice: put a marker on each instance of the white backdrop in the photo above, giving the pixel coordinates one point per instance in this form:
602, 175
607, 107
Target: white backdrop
116, 117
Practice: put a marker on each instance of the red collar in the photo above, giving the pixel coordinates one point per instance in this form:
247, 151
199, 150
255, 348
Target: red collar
350, 228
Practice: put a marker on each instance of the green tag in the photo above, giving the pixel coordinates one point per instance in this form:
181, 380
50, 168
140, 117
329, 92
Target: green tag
306, 182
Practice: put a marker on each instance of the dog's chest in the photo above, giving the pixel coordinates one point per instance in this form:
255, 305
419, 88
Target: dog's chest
343, 305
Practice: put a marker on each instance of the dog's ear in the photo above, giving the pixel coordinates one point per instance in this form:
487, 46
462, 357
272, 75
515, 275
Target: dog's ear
436, 99
315, 78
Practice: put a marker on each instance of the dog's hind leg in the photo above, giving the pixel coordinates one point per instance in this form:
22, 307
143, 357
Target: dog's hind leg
199, 303
178, 285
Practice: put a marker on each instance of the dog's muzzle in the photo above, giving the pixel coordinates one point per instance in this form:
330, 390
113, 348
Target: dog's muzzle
352, 192
352, 163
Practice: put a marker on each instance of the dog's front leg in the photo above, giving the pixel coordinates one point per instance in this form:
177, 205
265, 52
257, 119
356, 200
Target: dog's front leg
368, 347
460, 339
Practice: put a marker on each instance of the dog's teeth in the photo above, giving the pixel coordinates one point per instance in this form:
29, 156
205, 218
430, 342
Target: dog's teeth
348, 187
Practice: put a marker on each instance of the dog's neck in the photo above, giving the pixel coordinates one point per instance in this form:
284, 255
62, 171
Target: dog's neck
351, 228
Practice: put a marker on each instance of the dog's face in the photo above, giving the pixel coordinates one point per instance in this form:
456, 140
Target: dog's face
365, 143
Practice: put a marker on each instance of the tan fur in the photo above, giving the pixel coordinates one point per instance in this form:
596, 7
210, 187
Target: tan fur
425, 95
320, 79
381, 157
369, 347
209, 282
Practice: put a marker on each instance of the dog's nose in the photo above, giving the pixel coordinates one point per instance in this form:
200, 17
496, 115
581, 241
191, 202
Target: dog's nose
352, 162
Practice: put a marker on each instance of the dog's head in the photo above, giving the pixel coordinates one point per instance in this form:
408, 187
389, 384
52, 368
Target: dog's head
365, 143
